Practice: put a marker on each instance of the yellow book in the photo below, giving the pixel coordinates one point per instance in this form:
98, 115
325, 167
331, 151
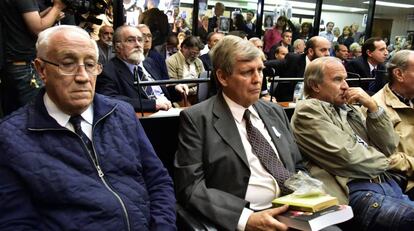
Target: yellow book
307, 204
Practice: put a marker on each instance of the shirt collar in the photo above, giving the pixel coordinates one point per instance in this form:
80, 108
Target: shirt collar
307, 60
237, 110
62, 118
131, 66
371, 67
408, 102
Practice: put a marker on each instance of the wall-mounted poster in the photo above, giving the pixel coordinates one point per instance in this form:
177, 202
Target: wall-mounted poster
268, 21
224, 25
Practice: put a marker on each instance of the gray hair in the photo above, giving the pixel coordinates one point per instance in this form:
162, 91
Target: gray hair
225, 52
398, 60
43, 39
254, 39
354, 46
297, 41
140, 26
315, 72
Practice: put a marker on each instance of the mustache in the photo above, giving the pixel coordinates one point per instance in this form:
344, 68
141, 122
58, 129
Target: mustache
136, 50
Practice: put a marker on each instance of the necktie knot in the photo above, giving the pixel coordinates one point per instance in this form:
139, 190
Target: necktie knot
76, 122
246, 115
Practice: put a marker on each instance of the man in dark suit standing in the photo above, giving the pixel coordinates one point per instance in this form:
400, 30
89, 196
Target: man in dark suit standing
218, 169
294, 65
118, 80
370, 64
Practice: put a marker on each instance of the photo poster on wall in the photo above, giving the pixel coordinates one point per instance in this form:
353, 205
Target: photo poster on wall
268, 20
133, 9
202, 7
224, 25
169, 7
132, 18
166, 5
364, 20
283, 10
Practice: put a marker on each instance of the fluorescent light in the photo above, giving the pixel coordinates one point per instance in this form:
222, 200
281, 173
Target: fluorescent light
307, 5
391, 4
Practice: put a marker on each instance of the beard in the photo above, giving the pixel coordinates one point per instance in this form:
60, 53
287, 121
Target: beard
136, 56
108, 43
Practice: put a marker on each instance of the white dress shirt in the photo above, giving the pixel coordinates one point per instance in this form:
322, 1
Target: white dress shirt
158, 93
63, 119
262, 187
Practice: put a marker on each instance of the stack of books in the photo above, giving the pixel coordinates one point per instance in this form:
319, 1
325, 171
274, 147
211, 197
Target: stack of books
312, 213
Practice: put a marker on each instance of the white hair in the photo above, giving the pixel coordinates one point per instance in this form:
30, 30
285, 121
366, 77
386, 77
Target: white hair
43, 39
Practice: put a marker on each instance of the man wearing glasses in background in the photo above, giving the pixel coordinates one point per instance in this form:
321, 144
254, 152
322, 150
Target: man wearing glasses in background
119, 81
186, 64
77, 160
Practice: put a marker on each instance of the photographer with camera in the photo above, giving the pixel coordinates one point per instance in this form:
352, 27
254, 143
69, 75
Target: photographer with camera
22, 22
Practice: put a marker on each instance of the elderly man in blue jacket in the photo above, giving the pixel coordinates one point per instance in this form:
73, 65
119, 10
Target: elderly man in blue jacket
76, 160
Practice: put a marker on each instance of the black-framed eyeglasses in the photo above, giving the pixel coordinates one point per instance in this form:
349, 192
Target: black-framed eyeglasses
92, 68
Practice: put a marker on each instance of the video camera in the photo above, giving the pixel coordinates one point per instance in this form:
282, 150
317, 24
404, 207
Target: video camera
85, 11
94, 7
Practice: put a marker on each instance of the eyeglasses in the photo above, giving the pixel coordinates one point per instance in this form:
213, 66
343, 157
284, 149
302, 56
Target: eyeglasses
134, 40
148, 36
92, 68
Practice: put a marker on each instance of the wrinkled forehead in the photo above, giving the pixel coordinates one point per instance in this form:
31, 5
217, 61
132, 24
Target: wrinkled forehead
71, 42
131, 32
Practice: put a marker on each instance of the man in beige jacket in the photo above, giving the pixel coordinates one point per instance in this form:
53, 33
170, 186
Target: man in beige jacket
397, 100
349, 152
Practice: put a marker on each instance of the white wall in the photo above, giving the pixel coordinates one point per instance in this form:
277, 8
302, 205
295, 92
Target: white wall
343, 19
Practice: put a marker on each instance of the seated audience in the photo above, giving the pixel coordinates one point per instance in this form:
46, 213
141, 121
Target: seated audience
171, 46
219, 169
185, 64
105, 44
122, 74
299, 46
371, 64
396, 98
259, 44
212, 39
159, 61
294, 65
85, 163
341, 52
355, 50
286, 42
281, 52
349, 152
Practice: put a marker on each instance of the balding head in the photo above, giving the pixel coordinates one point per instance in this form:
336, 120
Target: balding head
400, 69
317, 47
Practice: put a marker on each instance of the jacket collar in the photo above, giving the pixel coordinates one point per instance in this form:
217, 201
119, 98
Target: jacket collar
392, 99
39, 118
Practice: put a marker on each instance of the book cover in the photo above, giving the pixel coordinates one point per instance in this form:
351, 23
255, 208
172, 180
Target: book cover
307, 204
309, 221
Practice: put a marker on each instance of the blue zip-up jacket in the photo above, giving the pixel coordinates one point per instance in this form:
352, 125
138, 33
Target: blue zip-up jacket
48, 180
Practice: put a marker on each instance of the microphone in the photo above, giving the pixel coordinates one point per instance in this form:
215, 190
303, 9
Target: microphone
137, 85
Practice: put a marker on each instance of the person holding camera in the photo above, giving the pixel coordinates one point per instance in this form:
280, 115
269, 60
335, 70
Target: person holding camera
22, 22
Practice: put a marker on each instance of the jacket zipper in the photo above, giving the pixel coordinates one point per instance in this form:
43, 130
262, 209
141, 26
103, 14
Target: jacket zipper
101, 173
98, 168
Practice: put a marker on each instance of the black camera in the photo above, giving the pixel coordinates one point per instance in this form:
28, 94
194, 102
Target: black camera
93, 7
